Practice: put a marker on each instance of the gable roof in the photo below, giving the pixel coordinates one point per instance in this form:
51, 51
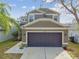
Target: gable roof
44, 10
44, 22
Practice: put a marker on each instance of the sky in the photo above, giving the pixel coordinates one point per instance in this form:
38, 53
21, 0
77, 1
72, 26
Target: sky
21, 7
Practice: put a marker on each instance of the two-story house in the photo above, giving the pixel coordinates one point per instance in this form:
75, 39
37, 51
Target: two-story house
44, 29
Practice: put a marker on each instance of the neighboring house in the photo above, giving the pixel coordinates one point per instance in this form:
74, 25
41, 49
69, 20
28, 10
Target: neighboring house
44, 29
42, 13
6, 36
73, 30
22, 20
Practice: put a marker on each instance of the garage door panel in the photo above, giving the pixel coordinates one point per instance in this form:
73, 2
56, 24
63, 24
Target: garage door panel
44, 39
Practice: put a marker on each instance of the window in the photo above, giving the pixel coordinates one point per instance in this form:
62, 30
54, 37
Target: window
48, 16
56, 18
38, 16
43, 16
31, 17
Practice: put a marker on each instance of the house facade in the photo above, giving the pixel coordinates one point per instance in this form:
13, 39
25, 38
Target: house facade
43, 13
44, 29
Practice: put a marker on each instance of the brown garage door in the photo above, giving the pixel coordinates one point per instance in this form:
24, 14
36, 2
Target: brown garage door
44, 39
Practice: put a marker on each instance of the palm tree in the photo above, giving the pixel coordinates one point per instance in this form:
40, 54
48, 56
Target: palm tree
6, 22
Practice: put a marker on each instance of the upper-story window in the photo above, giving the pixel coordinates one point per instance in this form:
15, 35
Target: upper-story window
37, 16
49, 16
43, 16
56, 18
31, 18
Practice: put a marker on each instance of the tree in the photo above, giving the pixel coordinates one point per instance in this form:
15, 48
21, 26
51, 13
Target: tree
6, 22
4, 8
72, 6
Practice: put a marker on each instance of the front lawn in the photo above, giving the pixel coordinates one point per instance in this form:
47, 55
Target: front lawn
74, 49
4, 46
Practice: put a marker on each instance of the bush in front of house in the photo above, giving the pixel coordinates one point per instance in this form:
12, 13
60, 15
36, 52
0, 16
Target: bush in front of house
21, 46
15, 34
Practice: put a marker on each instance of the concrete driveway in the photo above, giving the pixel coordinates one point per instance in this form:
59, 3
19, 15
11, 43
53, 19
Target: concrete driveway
45, 53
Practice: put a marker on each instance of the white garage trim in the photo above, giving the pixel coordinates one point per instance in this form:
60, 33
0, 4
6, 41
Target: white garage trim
45, 32
56, 28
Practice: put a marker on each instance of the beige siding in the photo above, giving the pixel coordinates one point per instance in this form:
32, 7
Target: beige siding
44, 24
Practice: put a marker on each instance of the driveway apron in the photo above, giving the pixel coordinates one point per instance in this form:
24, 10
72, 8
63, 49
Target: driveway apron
45, 53
34, 53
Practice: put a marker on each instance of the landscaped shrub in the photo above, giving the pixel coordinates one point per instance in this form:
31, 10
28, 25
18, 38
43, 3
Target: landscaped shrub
21, 46
15, 34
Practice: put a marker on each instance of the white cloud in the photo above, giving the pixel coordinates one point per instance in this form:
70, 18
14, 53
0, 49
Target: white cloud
33, 7
24, 7
12, 5
48, 1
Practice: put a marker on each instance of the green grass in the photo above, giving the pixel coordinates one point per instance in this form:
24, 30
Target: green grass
4, 46
75, 49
